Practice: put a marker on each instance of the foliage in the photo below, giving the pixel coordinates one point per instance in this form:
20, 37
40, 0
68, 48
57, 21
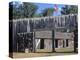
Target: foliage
37, 15
24, 10
47, 12
29, 9
69, 9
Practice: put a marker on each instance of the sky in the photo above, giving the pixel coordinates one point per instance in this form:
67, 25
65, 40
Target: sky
42, 6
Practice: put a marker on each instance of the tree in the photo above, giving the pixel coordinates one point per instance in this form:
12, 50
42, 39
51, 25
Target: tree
17, 11
69, 9
74, 9
37, 15
24, 10
29, 9
48, 12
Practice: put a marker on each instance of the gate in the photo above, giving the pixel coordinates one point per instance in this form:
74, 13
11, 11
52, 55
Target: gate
44, 41
25, 41
21, 31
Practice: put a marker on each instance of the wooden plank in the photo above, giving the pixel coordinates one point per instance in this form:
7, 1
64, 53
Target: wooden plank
43, 34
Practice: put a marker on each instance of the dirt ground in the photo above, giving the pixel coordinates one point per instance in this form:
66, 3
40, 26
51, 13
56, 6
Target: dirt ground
42, 53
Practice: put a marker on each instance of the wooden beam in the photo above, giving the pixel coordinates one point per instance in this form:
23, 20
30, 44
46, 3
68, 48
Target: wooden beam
34, 42
53, 42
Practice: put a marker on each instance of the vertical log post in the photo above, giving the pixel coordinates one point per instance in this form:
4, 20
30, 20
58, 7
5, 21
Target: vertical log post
53, 42
34, 42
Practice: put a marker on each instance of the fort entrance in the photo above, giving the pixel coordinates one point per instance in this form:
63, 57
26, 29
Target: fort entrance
44, 34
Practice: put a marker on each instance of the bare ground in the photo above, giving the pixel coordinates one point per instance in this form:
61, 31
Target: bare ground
42, 53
